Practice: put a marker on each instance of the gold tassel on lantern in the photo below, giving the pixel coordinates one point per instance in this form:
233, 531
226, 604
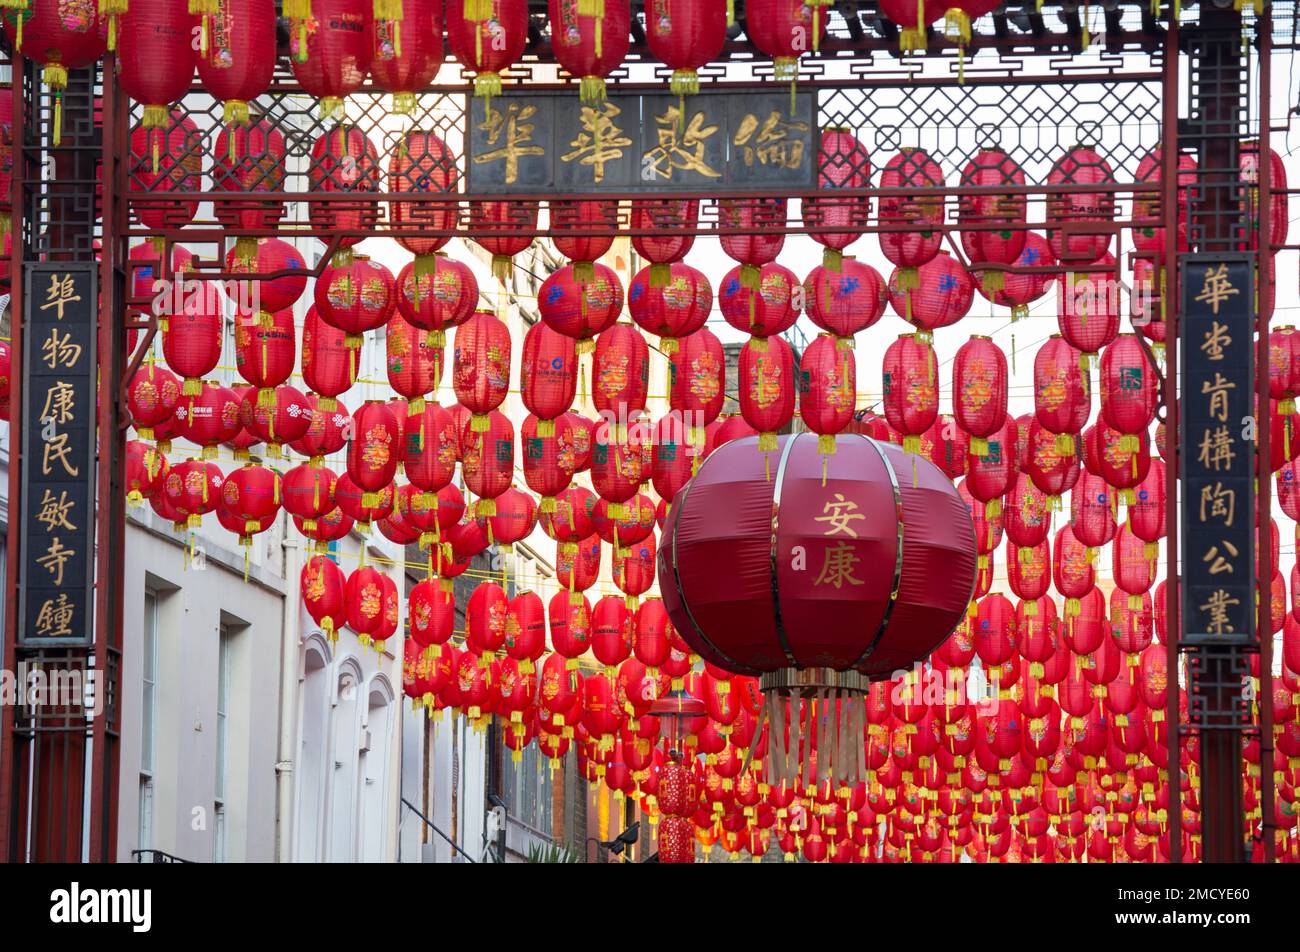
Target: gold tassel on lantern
591, 90
298, 12
391, 12
659, 275
19, 7
112, 9
56, 77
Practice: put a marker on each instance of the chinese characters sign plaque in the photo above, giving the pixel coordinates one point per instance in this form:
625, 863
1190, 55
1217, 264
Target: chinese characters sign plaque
1217, 455
628, 143
58, 471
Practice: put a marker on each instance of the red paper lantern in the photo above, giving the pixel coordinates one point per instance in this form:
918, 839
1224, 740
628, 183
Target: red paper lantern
329, 366
548, 375
846, 299
407, 53
1088, 303
252, 494
941, 296
151, 397
155, 65
266, 295
785, 29
827, 390
908, 250
248, 157
192, 340
355, 296
308, 492
590, 41
333, 62
194, 488
488, 461
515, 518
733, 627
343, 159
620, 375
264, 355
634, 569
617, 468
911, 388
323, 587
842, 162
414, 367
1019, 289
430, 442
165, 157
237, 54
372, 450
1072, 572
364, 601
673, 309
696, 371
422, 163
487, 37
1130, 387
979, 385
767, 391
913, 19
1080, 165
1062, 400
685, 35
481, 366
601, 216
58, 37
580, 309
663, 231
146, 471
442, 298
992, 224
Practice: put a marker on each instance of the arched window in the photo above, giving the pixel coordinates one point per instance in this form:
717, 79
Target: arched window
313, 752
373, 767
343, 798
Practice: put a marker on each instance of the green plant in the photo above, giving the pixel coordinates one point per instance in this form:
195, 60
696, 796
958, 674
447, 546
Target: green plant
551, 853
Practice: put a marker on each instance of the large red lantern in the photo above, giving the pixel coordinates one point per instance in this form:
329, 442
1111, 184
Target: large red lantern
858, 582
155, 57
1129, 387
209, 418
620, 375
697, 375
913, 19
488, 461
549, 459
414, 367
663, 231
1062, 399
192, 340
252, 493
194, 488
439, 299
911, 169
146, 471
784, 30
979, 385
548, 375
992, 224
1088, 306
284, 420
685, 35
166, 158
308, 492
151, 397
487, 37
1019, 289
598, 216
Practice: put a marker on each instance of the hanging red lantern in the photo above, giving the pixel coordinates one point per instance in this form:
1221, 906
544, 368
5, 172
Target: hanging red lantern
1020, 289
487, 37
266, 295
579, 309
433, 615
941, 297
634, 569
1133, 571
356, 296
1149, 240
674, 457
58, 37
515, 518
194, 487
264, 355
422, 163
1115, 457
1072, 572
155, 66
407, 53
913, 19
767, 391
673, 309
827, 390
979, 385
663, 231
333, 62
685, 35
911, 169
1277, 219
1092, 512
248, 157
282, 420
481, 366
1025, 515
548, 376
1129, 388
992, 224
1080, 165
488, 461
146, 471
372, 450
617, 468
911, 388
430, 442
1062, 397
946, 445
252, 494
343, 159
764, 308
308, 492
845, 299
842, 163
151, 397
192, 340
548, 460
362, 506
364, 600
570, 627
414, 367
784, 30
440, 299
590, 40
577, 565
696, 372
567, 216
236, 54
323, 587
516, 221
165, 158
1088, 303
329, 366
620, 375
991, 476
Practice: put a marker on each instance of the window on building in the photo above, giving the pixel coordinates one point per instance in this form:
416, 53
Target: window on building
148, 707
526, 788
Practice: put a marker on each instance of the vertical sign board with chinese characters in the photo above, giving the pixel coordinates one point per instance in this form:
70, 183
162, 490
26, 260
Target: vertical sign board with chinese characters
58, 465
628, 143
1217, 449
